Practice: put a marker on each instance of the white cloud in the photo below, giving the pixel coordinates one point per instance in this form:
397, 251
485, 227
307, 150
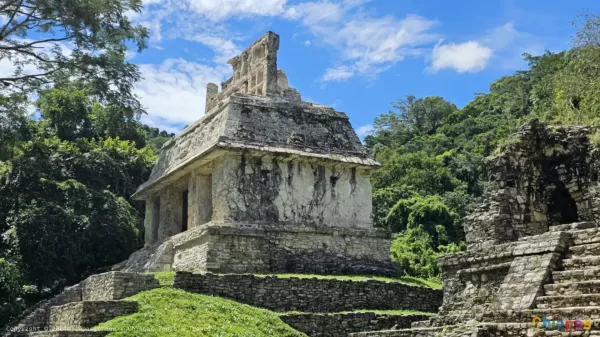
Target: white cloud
307, 43
364, 130
224, 49
174, 92
315, 12
373, 42
470, 56
501, 47
218, 10
367, 44
509, 44
340, 73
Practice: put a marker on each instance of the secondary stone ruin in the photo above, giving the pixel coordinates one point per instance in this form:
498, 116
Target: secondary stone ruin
533, 244
264, 182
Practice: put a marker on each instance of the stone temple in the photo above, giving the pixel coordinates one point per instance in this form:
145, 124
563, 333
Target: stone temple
263, 182
533, 244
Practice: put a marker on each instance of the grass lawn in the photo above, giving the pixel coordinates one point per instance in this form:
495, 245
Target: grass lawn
404, 279
166, 278
167, 312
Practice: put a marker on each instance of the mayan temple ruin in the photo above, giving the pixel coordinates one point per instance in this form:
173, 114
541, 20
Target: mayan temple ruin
533, 261
265, 184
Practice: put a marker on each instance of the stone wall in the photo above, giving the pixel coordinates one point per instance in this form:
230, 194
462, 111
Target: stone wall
36, 318
254, 72
504, 277
466, 330
545, 177
311, 295
336, 325
116, 286
100, 287
280, 249
85, 315
263, 248
274, 189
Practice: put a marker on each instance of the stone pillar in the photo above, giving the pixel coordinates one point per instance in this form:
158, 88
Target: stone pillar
151, 220
224, 187
205, 198
171, 211
211, 91
200, 200
148, 220
270, 76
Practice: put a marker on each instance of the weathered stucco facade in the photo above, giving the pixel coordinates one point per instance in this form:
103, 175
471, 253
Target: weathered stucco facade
264, 182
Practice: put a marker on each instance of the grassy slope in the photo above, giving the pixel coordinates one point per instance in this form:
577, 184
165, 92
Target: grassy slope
405, 279
166, 278
168, 312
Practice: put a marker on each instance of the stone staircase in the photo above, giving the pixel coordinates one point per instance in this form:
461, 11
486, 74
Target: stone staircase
576, 287
573, 292
72, 313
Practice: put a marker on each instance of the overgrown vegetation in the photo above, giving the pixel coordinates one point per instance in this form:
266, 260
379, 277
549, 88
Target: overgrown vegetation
178, 313
67, 171
433, 153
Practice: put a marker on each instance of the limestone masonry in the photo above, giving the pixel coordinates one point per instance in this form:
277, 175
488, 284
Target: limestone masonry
312, 294
264, 182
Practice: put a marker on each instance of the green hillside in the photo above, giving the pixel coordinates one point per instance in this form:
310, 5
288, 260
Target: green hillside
168, 312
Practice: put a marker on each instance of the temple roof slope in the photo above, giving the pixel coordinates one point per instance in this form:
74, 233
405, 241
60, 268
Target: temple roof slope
256, 110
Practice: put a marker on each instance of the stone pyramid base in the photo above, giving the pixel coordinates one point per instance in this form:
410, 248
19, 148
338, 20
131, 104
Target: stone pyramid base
268, 248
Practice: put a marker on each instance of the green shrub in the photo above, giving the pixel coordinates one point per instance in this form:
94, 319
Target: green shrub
11, 289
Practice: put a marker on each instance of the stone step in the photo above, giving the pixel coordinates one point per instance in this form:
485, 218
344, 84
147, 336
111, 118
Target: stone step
474, 332
565, 313
344, 323
420, 324
586, 236
573, 288
574, 226
565, 301
588, 249
576, 275
87, 314
578, 263
100, 287
113, 285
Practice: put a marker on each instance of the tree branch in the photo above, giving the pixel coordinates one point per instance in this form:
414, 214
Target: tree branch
6, 5
12, 17
4, 80
32, 44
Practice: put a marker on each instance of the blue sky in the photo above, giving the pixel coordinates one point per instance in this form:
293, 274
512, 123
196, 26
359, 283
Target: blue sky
355, 55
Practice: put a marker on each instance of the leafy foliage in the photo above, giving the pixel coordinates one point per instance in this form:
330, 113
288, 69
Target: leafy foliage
433, 153
50, 40
11, 290
68, 171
